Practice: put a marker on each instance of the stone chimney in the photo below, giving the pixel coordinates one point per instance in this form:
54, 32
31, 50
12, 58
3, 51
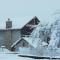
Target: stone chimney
8, 23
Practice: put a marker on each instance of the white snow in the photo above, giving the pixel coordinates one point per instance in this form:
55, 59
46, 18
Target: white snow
44, 44
5, 54
38, 41
55, 36
32, 41
12, 57
4, 50
41, 33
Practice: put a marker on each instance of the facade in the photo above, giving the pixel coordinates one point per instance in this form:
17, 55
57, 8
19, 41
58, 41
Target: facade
9, 35
24, 47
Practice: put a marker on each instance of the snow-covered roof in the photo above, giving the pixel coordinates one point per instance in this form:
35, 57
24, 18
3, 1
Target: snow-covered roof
44, 43
15, 43
16, 23
32, 41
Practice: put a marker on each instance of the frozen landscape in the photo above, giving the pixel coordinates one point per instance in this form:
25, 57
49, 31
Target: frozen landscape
5, 54
29, 29
45, 39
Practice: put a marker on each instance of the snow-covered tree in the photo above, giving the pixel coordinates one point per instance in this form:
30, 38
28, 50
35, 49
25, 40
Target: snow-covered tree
55, 36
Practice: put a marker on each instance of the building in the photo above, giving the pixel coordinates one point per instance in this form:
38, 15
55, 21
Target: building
25, 45
9, 35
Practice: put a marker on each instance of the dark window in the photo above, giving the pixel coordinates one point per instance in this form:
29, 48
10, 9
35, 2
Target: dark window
23, 44
48, 39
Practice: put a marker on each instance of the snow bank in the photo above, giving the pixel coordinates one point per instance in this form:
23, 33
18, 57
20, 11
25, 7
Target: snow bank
12, 57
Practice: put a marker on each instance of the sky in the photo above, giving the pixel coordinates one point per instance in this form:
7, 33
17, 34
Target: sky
21, 11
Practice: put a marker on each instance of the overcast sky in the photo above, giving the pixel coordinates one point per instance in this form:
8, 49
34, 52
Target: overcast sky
21, 11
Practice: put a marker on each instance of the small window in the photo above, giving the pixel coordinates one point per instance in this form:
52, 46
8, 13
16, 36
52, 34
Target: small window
24, 44
48, 39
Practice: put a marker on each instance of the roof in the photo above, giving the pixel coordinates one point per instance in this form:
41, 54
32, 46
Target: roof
35, 42
14, 27
32, 41
30, 26
15, 42
34, 18
44, 44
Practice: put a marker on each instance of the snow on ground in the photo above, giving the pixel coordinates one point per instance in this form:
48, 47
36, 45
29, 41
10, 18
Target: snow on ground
3, 49
8, 56
4, 56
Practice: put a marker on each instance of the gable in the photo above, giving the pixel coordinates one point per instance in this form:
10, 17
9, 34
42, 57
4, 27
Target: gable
34, 21
23, 43
30, 26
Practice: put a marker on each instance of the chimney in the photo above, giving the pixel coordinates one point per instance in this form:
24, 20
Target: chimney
8, 23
